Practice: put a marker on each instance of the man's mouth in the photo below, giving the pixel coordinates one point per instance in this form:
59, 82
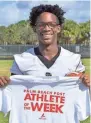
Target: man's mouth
46, 35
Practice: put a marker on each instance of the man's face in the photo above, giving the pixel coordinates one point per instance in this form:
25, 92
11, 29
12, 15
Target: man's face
47, 27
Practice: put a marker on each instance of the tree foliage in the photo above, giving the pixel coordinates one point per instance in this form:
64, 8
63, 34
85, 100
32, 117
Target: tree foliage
22, 33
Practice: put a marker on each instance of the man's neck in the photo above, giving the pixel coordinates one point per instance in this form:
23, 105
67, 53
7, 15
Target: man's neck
48, 51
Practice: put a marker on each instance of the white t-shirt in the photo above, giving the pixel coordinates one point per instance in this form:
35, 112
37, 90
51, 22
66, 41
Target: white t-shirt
45, 100
28, 63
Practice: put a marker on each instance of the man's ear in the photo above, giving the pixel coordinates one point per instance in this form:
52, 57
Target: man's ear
60, 27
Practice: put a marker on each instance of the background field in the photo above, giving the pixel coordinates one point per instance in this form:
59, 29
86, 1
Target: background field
4, 70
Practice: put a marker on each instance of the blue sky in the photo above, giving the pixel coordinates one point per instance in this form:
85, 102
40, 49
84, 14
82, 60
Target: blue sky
13, 11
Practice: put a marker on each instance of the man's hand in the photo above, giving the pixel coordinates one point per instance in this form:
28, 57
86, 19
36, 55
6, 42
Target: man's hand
4, 80
84, 77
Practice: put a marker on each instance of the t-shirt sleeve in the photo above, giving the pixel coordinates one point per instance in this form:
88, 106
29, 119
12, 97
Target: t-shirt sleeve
83, 103
6, 100
15, 69
80, 67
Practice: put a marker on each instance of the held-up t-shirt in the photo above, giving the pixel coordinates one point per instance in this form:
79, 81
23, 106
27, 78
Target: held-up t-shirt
45, 100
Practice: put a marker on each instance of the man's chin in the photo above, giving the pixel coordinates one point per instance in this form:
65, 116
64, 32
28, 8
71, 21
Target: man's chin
47, 42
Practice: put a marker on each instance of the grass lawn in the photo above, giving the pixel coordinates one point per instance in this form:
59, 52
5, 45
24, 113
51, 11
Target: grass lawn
4, 70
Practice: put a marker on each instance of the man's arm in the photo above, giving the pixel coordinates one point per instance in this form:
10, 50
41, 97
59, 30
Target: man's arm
80, 71
83, 76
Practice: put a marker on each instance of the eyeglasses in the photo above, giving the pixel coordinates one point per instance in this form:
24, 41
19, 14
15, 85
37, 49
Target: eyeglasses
42, 25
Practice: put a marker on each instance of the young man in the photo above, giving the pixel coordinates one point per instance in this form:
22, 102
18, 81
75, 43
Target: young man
48, 59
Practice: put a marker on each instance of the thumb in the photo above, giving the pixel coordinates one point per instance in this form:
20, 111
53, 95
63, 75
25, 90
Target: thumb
81, 76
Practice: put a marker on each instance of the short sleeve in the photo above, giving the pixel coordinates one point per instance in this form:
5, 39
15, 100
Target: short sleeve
80, 67
6, 100
15, 69
83, 103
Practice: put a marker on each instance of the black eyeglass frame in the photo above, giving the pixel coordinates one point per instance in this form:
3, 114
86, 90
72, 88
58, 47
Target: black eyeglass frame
49, 24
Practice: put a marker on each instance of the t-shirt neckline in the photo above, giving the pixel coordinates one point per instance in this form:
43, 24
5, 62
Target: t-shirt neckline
46, 62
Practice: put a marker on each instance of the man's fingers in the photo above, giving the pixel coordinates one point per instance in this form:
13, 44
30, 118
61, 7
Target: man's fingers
7, 78
78, 74
85, 79
4, 80
86, 83
1, 83
82, 76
